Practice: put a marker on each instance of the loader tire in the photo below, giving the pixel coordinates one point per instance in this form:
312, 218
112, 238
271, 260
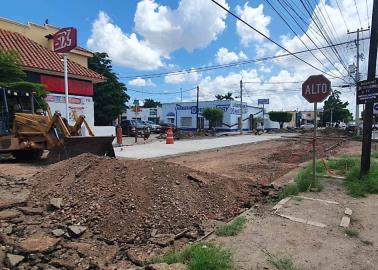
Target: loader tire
27, 155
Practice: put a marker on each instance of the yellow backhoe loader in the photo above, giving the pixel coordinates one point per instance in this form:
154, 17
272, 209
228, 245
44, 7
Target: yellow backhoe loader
25, 132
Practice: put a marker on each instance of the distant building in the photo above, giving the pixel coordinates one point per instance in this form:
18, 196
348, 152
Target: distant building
184, 115
33, 43
145, 114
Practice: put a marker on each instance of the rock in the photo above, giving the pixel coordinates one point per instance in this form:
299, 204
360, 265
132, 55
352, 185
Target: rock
348, 211
58, 232
153, 232
13, 260
77, 230
4, 204
31, 211
68, 260
120, 265
2, 258
9, 214
56, 203
163, 239
141, 254
8, 230
38, 243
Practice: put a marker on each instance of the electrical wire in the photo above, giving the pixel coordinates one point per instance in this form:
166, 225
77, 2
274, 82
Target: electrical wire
161, 93
305, 32
270, 39
342, 15
358, 13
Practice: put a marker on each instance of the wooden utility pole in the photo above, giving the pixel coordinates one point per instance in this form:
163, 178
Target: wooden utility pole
197, 110
368, 114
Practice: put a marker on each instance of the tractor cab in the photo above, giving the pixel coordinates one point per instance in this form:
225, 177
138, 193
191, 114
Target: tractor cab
12, 102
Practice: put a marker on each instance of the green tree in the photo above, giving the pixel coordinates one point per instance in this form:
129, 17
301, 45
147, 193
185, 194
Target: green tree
12, 77
213, 115
150, 103
338, 108
280, 117
227, 96
110, 96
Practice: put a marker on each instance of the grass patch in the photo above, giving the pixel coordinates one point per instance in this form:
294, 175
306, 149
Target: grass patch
304, 182
343, 164
202, 256
351, 232
357, 187
283, 262
374, 155
232, 228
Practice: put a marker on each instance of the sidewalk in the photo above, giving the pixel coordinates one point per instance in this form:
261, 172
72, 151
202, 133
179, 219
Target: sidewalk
160, 149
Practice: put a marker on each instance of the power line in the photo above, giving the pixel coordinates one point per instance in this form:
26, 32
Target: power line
367, 12
305, 32
358, 13
239, 63
323, 32
268, 38
161, 93
342, 15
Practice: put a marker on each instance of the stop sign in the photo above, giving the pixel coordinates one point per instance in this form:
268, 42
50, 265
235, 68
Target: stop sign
316, 88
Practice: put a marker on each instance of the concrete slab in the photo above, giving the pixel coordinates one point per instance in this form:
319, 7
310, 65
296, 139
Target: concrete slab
345, 221
159, 149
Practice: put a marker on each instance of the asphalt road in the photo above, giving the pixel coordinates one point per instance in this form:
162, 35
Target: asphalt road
160, 149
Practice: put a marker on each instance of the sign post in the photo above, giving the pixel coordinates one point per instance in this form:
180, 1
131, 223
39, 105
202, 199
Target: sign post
263, 101
315, 89
64, 41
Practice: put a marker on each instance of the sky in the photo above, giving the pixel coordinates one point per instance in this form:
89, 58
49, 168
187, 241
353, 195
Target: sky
157, 36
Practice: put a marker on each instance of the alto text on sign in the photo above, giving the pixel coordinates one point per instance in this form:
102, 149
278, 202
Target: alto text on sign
316, 88
65, 40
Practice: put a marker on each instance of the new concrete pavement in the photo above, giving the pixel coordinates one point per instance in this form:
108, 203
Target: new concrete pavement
160, 149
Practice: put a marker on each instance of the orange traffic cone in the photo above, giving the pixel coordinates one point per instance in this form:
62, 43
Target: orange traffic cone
169, 139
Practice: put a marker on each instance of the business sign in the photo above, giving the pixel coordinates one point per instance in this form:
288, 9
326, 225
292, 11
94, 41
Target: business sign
263, 101
367, 91
316, 88
65, 40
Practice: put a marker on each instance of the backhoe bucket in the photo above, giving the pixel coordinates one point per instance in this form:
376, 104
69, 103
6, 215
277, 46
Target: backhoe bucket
74, 146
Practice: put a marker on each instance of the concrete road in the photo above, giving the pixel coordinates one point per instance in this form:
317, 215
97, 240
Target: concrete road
160, 149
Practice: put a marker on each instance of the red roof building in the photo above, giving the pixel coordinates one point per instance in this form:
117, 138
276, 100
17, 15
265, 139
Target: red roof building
42, 65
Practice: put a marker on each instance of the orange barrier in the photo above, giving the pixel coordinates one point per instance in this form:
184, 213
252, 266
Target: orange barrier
169, 139
119, 135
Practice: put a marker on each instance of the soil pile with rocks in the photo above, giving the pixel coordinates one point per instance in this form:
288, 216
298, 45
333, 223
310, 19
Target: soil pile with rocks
127, 201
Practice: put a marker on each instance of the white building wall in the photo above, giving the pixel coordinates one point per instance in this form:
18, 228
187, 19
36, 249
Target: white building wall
145, 114
174, 112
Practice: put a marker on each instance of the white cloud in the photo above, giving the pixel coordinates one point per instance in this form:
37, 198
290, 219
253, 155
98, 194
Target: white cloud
140, 82
123, 49
159, 31
224, 56
256, 18
194, 24
188, 77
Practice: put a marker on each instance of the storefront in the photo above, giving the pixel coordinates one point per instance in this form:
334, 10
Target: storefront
184, 115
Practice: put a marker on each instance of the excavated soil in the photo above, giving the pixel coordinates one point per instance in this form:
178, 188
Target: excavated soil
124, 200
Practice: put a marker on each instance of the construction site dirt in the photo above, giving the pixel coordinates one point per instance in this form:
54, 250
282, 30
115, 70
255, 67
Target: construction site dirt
89, 206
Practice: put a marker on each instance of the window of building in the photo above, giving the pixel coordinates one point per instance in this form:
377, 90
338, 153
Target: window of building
186, 121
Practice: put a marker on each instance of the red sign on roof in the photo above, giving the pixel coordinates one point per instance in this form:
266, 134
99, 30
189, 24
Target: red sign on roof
316, 88
65, 40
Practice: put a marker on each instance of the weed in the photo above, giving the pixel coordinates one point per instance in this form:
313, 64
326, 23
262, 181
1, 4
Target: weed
232, 228
280, 262
202, 256
343, 164
357, 187
288, 190
305, 181
374, 155
351, 232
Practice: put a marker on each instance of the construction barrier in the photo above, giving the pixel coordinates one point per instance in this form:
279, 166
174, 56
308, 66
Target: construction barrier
169, 139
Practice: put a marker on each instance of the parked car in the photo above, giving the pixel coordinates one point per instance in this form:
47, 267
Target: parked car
165, 126
155, 128
133, 127
351, 127
307, 126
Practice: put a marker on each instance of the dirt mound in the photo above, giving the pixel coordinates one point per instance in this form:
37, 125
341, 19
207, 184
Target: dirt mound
125, 200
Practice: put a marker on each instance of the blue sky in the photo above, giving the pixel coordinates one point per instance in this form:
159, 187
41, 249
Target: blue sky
152, 36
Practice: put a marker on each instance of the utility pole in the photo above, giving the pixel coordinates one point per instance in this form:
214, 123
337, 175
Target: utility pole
197, 126
181, 93
368, 114
357, 75
331, 117
241, 107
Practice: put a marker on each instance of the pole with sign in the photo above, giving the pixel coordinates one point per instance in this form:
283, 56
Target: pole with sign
64, 41
315, 89
263, 101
